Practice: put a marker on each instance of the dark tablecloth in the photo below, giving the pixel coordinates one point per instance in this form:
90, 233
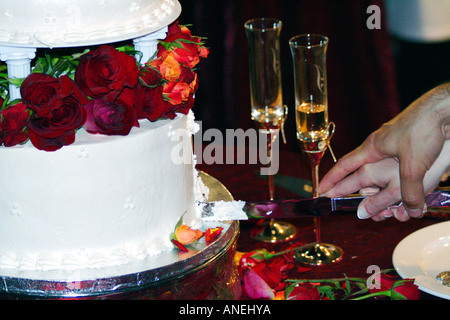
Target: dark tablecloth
364, 242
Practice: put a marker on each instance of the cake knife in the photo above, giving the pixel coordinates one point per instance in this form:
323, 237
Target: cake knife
296, 208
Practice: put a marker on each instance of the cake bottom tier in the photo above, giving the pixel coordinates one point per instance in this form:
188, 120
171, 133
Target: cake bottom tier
197, 275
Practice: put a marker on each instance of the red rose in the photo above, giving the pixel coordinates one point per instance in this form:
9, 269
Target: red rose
13, 125
149, 103
169, 111
175, 28
188, 76
400, 289
188, 48
109, 118
105, 72
150, 76
304, 292
176, 92
42, 93
57, 106
185, 106
128, 99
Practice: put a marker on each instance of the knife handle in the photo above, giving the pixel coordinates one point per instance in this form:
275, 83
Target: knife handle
435, 199
438, 198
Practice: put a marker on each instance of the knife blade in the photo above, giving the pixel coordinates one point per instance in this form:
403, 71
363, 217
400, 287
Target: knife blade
296, 208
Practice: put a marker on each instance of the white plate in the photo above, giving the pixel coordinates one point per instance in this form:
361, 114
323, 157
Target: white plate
422, 255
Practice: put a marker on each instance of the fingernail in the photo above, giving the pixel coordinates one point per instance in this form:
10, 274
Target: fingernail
389, 213
417, 213
369, 191
362, 213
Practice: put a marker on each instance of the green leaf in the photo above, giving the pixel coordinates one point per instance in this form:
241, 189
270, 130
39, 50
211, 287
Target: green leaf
327, 291
166, 45
288, 290
16, 81
348, 288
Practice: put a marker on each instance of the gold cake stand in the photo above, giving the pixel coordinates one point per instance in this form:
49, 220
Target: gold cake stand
204, 272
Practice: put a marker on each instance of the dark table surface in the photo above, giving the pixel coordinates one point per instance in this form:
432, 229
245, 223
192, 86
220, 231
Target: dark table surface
364, 242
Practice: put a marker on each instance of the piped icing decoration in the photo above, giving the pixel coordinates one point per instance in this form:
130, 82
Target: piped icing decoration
64, 23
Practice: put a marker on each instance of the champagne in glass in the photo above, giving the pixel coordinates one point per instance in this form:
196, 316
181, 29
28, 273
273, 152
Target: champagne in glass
312, 126
267, 109
268, 118
313, 134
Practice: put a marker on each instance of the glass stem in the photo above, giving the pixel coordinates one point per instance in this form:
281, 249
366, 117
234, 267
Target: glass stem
315, 161
315, 183
270, 177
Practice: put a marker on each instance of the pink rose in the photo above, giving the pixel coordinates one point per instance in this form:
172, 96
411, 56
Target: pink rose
109, 118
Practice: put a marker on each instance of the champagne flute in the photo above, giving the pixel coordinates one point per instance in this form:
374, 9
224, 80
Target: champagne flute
314, 131
267, 109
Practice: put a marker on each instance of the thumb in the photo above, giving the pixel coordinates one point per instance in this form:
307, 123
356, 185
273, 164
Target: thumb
413, 195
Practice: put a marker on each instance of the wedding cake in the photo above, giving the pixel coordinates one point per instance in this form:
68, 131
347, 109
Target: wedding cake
96, 161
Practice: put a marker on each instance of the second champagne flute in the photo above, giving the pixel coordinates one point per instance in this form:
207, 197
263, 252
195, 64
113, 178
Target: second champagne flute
313, 129
268, 111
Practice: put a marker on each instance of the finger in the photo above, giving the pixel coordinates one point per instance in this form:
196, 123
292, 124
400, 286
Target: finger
400, 213
376, 204
365, 153
383, 215
345, 165
351, 184
372, 175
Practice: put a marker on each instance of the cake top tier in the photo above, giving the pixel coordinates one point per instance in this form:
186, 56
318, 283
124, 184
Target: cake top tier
72, 23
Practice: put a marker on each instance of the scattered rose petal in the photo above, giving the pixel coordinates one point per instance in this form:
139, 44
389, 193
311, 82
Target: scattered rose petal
179, 245
211, 234
255, 287
304, 292
185, 235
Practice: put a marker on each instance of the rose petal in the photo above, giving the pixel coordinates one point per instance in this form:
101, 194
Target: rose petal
185, 235
255, 287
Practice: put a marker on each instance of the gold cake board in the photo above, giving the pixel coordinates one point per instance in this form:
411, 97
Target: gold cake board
204, 272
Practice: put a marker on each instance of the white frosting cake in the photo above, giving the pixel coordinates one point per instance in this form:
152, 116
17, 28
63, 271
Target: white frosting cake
101, 201
65, 23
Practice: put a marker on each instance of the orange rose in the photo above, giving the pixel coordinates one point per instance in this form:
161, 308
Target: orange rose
176, 92
168, 66
185, 235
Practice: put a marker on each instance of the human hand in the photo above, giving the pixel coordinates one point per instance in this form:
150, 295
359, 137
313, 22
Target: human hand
414, 139
381, 181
